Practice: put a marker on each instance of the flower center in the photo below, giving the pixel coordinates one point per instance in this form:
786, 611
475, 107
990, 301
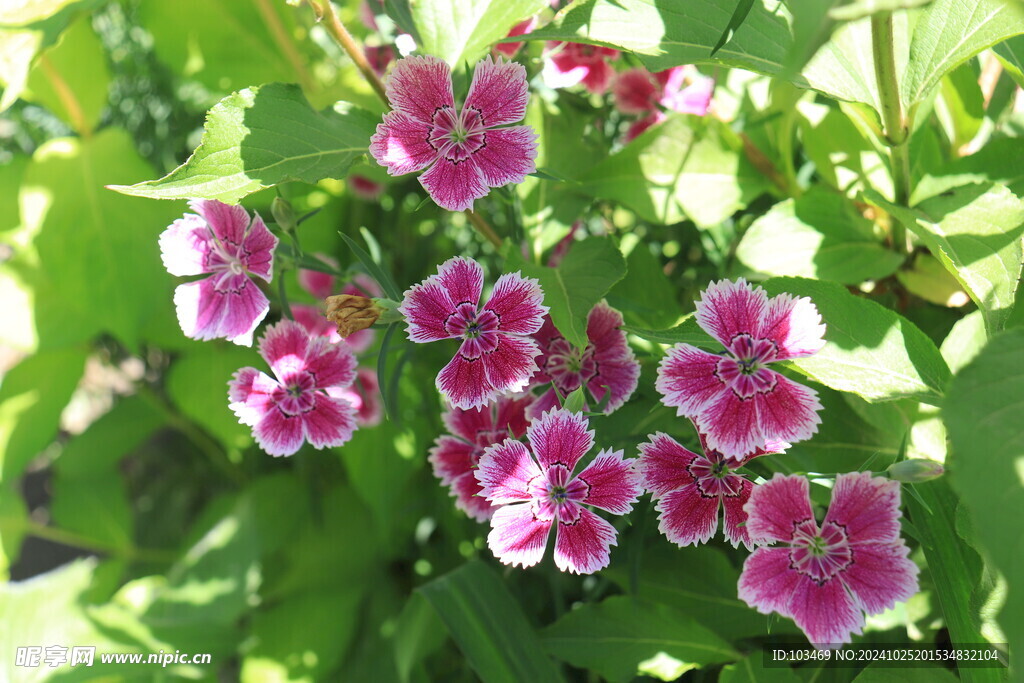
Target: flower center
478, 329
744, 369
557, 495
297, 394
568, 367
819, 553
713, 476
457, 137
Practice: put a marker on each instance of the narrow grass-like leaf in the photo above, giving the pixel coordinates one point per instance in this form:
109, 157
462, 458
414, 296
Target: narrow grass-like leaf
739, 15
374, 269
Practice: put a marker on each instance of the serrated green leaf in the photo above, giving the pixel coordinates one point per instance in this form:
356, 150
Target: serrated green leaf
463, 30
996, 162
820, 235
687, 332
975, 231
260, 137
489, 626
645, 296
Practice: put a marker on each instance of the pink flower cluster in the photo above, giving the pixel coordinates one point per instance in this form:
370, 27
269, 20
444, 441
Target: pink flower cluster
639, 92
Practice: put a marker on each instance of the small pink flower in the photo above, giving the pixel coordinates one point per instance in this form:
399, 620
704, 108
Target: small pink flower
295, 406
497, 355
221, 241
318, 283
364, 396
322, 285
736, 400
606, 364
825, 578
379, 57
364, 188
522, 28
641, 125
638, 91
691, 488
465, 153
570, 64
455, 457
536, 490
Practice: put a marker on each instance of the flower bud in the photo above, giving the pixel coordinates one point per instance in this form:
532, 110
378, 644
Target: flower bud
915, 470
352, 313
284, 215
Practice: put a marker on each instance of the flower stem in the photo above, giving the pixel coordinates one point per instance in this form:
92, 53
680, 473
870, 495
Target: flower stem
284, 42
348, 44
70, 538
483, 227
896, 130
67, 98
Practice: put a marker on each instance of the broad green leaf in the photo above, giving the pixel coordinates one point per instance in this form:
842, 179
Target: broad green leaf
928, 278
1011, 54
197, 384
128, 424
960, 106
91, 257
489, 626
859, 9
841, 151
13, 522
463, 30
948, 33
987, 462
32, 397
964, 341
996, 162
645, 296
687, 332
260, 137
620, 635
976, 231
751, 669
572, 289
678, 170
739, 15
820, 235
418, 632
870, 350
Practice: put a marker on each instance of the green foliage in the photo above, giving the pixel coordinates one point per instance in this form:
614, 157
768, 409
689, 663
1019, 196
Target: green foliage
463, 30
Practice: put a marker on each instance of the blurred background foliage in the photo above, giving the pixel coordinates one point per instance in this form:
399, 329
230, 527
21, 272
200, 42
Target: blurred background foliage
150, 521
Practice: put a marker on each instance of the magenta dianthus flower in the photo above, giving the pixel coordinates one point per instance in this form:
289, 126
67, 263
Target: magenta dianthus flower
497, 355
638, 91
364, 397
221, 241
736, 400
295, 406
691, 488
538, 491
827, 577
466, 152
570, 64
607, 364
523, 27
455, 457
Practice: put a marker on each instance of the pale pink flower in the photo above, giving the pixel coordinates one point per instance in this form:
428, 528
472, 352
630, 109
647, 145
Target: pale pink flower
497, 355
522, 28
364, 188
570, 64
455, 457
322, 285
221, 241
736, 400
606, 364
364, 397
294, 406
464, 152
638, 91
826, 578
537, 490
691, 489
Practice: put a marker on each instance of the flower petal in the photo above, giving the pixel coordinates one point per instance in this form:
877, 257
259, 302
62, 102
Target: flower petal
185, 244
462, 278
466, 490
221, 306
418, 86
331, 422
517, 537
788, 413
257, 252
559, 436
729, 308
617, 367
498, 92
455, 185
316, 324
284, 346
451, 458
511, 364
693, 99
279, 434
249, 395
426, 308
663, 465
505, 471
511, 414
584, 546
401, 144
545, 402
508, 155
614, 486
687, 379
635, 92
730, 426
229, 223
599, 77
826, 613
867, 507
688, 517
333, 365
776, 506
735, 526
320, 285
767, 582
794, 324
463, 382
880, 575
518, 303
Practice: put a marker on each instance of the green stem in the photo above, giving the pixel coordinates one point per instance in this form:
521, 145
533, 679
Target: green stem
70, 538
895, 126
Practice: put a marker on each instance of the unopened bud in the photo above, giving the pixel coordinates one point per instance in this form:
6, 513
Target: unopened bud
284, 215
916, 470
352, 313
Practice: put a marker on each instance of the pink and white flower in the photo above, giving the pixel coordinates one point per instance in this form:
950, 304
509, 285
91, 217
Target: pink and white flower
522, 28
826, 578
569, 64
537, 490
322, 285
455, 457
691, 489
465, 153
735, 399
607, 364
296, 404
221, 241
497, 355
638, 91
364, 397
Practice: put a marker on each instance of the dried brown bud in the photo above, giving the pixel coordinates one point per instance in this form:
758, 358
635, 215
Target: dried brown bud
352, 313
